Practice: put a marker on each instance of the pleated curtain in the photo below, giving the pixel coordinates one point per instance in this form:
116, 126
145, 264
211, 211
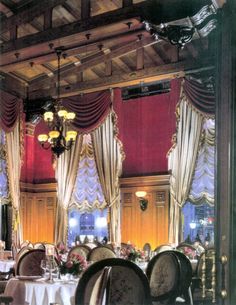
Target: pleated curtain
14, 170
10, 122
197, 101
66, 171
108, 157
181, 163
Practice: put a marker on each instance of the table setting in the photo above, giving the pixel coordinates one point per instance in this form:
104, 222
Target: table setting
36, 290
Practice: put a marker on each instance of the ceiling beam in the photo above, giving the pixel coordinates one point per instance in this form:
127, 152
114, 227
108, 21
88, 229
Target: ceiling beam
7, 65
151, 74
13, 86
94, 60
28, 13
165, 11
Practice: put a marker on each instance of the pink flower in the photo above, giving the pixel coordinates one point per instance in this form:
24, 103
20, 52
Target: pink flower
69, 264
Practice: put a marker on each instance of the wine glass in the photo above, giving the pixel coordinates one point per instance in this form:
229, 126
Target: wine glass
52, 267
43, 265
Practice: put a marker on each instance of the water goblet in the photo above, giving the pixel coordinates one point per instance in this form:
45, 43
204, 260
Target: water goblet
52, 267
43, 265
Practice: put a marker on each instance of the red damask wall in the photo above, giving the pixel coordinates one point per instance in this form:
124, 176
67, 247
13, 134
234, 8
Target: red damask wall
146, 126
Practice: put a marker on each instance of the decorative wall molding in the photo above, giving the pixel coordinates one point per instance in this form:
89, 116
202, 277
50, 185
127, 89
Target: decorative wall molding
145, 181
38, 188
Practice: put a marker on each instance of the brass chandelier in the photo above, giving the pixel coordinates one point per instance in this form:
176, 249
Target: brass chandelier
58, 138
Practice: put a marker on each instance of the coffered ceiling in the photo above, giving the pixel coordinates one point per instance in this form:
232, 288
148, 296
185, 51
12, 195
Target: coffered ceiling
105, 44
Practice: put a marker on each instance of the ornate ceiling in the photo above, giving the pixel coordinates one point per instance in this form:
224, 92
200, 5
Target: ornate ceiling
105, 43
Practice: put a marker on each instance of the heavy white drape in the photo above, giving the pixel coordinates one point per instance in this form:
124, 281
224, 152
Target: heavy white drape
13, 146
108, 157
181, 163
66, 172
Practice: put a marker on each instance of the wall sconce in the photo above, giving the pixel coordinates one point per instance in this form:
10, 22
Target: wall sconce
142, 201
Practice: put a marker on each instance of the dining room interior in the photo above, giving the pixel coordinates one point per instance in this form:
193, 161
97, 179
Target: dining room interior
117, 152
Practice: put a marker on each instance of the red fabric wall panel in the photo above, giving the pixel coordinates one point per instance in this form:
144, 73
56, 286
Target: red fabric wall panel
146, 126
27, 170
37, 166
43, 169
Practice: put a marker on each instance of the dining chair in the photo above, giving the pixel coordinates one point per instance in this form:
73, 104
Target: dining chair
39, 245
101, 289
163, 273
21, 252
82, 250
29, 263
161, 248
126, 283
147, 249
99, 253
5, 300
186, 274
188, 249
26, 243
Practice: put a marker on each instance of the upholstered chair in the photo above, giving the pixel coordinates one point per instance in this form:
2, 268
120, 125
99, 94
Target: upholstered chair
21, 252
186, 274
82, 250
163, 272
101, 289
39, 245
29, 263
188, 249
99, 253
126, 284
161, 248
147, 248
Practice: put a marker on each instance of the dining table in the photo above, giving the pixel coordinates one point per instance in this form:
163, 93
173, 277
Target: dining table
6, 265
39, 291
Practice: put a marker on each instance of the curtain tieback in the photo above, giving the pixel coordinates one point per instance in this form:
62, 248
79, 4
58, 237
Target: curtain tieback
114, 200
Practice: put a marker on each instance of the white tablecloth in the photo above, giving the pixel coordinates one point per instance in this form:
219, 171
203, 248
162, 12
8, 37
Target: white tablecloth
39, 292
6, 265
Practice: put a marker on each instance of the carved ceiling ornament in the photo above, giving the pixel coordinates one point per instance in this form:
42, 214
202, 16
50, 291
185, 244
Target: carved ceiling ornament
180, 35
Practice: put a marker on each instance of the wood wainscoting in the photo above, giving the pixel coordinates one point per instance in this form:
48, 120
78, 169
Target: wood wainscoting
38, 210
151, 225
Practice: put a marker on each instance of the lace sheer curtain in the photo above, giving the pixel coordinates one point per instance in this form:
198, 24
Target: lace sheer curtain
87, 195
202, 188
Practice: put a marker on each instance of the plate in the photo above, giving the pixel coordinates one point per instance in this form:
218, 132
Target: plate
28, 277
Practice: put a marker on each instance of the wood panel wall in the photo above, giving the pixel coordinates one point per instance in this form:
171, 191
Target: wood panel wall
151, 225
38, 210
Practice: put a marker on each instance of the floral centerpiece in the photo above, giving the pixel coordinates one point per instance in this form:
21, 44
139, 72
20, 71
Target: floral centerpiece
61, 248
74, 264
132, 253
